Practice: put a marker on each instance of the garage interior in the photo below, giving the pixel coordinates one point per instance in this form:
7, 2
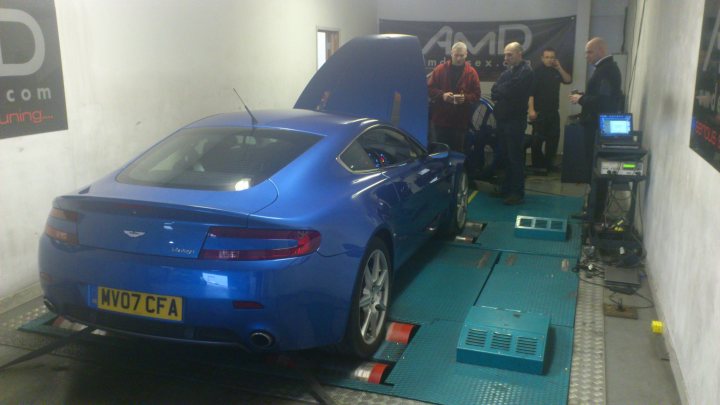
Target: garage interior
134, 71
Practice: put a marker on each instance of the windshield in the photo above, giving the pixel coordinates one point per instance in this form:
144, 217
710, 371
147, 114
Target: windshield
217, 158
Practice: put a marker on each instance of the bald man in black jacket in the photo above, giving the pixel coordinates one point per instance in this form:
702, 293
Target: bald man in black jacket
603, 94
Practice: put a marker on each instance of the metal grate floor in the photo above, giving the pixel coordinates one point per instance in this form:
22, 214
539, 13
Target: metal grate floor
587, 380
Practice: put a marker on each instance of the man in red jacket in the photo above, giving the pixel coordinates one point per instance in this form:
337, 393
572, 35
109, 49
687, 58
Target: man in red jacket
454, 88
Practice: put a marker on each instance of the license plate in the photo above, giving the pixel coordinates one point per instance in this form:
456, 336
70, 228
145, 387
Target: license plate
142, 304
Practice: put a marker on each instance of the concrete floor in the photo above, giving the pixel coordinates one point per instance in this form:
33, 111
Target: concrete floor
635, 372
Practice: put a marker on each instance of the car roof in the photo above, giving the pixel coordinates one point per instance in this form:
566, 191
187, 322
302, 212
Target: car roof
317, 123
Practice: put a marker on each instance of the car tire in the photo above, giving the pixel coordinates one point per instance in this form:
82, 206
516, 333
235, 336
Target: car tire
371, 302
457, 213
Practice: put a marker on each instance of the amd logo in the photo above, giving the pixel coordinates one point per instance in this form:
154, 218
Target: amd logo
495, 42
32, 95
8, 15
28, 67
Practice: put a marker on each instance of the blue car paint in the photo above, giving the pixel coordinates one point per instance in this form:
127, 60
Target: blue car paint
306, 300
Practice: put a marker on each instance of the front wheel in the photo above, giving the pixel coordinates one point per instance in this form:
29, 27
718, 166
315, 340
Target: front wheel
457, 212
371, 301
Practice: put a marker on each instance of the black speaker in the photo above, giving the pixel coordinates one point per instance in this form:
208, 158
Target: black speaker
575, 168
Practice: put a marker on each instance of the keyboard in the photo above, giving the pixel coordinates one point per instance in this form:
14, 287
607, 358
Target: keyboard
614, 146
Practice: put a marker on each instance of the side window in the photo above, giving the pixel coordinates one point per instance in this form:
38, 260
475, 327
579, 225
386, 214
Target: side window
356, 158
380, 147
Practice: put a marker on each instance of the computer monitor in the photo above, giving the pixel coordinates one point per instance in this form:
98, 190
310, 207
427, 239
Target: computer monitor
616, 128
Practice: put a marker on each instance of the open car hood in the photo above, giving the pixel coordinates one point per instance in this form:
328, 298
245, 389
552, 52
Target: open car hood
379, 76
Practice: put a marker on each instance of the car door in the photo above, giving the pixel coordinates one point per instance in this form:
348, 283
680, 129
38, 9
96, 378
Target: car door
419, 182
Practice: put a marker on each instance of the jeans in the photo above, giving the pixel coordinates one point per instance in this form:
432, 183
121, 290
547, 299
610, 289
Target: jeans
511, 134
546, 130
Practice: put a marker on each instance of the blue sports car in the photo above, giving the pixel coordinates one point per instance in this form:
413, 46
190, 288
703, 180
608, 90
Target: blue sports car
272, 230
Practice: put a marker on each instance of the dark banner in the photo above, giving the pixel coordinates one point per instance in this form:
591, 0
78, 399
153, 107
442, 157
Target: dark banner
486, 40
705, 134
32, 96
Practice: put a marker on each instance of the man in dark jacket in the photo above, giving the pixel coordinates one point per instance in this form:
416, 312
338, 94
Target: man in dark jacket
454, 87
510, 94
603, 94
543, 109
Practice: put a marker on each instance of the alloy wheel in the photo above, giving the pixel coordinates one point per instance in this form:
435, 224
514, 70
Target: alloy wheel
461, 201
374, 296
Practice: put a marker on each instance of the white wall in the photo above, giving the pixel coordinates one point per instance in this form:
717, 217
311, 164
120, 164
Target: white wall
608, 21
135, 70
682, 225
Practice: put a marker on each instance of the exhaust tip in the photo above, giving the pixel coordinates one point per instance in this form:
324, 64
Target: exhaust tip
262, 339
50, 306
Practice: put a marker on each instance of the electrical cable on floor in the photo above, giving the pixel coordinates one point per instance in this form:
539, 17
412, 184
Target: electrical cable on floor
634, 292
593, 271
590, 271
590, 282
630, 259
611, 200
56, 344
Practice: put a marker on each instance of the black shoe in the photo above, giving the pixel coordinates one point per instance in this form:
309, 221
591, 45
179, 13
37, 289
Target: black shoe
513, 200
582, 216
485, 175
488, 178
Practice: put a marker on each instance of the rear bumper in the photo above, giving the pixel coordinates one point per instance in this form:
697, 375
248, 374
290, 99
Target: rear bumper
305, 301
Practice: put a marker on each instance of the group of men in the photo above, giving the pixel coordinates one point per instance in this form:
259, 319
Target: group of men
521, 94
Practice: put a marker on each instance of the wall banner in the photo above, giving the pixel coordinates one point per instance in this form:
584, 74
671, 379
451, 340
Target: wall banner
486, 40
705, 134
32, 95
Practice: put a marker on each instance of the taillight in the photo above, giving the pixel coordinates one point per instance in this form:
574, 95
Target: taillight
62, 226
224, 243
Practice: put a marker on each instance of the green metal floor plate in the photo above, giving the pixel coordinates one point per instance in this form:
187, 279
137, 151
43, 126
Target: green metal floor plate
441, 282
501, 236
389, 352
532, 283
484, 208
429, 372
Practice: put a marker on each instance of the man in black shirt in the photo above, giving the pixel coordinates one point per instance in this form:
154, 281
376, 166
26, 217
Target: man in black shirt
510, 94
543, 109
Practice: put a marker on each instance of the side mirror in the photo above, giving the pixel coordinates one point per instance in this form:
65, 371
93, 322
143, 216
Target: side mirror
438, 150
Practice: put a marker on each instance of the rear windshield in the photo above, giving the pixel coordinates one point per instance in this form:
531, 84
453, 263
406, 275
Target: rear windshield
217, 158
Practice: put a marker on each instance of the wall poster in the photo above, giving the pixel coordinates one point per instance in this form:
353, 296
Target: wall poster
705, 134
487, 39
32, 94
